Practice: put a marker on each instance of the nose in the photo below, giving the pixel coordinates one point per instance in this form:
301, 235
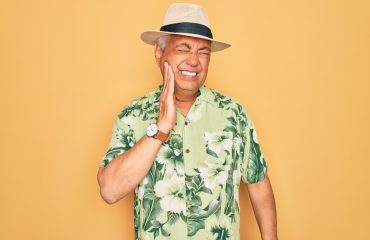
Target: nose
193, 59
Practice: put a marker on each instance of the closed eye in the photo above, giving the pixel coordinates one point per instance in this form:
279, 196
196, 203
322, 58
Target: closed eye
183, 47
205, 52
182, 50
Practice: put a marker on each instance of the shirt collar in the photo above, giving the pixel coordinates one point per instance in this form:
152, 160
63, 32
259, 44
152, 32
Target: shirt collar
204, 95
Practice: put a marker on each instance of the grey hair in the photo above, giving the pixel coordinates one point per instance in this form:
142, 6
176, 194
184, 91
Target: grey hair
163, 40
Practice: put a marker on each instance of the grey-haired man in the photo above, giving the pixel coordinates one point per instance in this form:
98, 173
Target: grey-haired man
184, 147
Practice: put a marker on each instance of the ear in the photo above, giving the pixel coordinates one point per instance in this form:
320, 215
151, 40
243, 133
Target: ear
158, 52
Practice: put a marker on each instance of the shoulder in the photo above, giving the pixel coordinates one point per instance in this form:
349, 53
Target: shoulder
232, 105
224, 101
144, 104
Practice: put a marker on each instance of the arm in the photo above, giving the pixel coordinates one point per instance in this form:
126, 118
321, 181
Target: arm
125, 172
263, 203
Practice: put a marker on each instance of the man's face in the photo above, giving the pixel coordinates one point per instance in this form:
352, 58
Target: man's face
189, 58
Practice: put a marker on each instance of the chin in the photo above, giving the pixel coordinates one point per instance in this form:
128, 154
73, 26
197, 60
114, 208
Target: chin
188, 85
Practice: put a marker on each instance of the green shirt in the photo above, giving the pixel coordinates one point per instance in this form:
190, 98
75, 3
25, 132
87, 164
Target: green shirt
192, 188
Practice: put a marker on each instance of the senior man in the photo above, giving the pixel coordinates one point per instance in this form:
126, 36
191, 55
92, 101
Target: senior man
184, 147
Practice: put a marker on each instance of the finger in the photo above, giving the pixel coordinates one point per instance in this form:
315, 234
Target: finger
165, 75
165, 83
168, 77
171, 87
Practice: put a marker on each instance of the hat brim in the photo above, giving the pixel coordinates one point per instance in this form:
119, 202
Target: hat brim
151, 37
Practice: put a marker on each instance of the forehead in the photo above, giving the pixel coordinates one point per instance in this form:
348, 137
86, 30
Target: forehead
192, 41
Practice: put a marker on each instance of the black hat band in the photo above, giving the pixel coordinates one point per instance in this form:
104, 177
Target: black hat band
188, 27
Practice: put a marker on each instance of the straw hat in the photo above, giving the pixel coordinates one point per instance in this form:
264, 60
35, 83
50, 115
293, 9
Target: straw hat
187, 20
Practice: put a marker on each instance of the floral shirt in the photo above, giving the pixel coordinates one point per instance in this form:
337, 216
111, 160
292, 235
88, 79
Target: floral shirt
192, 188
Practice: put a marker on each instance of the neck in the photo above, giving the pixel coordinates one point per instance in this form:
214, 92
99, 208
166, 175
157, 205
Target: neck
185, 98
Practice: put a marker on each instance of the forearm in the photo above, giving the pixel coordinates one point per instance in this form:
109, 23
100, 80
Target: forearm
125, 172
267, 219
264, 207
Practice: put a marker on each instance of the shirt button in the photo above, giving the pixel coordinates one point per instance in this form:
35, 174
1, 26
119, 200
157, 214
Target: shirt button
187, 150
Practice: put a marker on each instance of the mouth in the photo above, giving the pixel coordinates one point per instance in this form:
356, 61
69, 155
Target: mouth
189, 74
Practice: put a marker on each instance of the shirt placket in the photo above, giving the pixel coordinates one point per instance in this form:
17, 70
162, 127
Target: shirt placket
187, 158
185, 125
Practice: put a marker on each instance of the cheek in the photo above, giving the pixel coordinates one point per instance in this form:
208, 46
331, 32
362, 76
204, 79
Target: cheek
205, 64
172, 59
204, 59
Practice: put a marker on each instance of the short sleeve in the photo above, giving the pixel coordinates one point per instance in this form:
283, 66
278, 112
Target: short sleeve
122, 139
253, 166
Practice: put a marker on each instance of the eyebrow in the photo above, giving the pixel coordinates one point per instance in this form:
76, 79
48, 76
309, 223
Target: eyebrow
189, 47
183, 44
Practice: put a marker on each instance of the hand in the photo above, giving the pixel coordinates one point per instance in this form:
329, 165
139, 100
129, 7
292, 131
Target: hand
167, 109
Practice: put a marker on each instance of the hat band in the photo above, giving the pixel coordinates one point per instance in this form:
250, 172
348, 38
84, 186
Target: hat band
188, 27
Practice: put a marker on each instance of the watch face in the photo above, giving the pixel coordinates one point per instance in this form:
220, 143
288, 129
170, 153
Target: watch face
152, 130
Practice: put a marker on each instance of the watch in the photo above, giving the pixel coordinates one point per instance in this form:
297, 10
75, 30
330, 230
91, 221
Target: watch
154, 132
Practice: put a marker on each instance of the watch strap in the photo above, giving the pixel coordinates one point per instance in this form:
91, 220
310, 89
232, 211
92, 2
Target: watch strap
161, 136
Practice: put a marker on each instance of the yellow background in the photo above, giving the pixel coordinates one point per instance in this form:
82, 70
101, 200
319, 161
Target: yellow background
67, 68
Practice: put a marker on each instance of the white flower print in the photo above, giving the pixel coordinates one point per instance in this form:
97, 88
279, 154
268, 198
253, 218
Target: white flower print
214, 174
218, 141
255, 139
118, 133
164, 154
170, 170
144, 235
140, 190
218, 228
171, 193
237, 142
236, 183
131, 144
176, 152
236, 194
136, 111
236, 177
128, 120
169, 157
227, 144
262, 159
133, 103
195, 114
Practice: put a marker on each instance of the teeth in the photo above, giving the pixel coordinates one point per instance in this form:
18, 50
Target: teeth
186, 73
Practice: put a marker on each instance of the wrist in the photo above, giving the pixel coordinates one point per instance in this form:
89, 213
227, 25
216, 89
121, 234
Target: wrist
163, 127
154, 131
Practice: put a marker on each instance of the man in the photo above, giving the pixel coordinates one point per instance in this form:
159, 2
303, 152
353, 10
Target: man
185, 147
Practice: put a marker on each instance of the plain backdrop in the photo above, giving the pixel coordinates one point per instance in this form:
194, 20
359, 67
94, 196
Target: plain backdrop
67, 68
